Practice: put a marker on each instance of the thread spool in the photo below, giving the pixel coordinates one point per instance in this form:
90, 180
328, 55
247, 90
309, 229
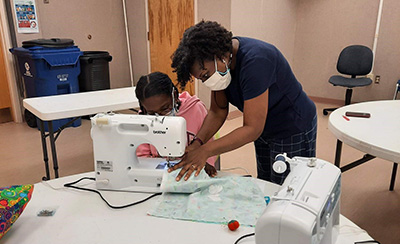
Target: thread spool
281, 168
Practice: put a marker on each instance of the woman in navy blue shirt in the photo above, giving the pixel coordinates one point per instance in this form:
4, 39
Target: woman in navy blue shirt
255, 77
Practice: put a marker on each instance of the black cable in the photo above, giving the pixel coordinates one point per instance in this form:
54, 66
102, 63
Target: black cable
134, 110
70, 185
242, 237
370, 241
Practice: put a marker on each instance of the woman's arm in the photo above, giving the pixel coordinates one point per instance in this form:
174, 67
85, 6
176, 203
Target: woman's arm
254, 117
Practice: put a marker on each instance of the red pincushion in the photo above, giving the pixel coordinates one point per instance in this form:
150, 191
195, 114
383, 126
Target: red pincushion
233, 225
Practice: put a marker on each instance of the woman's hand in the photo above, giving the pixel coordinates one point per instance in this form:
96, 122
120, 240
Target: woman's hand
194, 159
194, 145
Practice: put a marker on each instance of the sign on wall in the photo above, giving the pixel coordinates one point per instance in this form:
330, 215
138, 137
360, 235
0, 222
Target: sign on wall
26, 14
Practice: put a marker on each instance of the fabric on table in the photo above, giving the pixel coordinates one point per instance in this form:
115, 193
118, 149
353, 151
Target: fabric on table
13, 200
193, 184
210, 200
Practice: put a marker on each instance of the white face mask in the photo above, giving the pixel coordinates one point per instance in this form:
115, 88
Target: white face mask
170, 111
219, 80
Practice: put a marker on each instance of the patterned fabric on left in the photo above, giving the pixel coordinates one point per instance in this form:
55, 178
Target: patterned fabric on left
13, 200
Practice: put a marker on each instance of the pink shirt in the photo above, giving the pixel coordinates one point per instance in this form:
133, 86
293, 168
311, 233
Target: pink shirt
194, 111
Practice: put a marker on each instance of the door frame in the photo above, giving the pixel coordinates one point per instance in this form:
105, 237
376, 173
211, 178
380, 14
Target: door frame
195, 14
11, 78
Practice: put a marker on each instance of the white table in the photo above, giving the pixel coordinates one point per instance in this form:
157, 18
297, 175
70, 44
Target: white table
75, 105
377, 136
82, 217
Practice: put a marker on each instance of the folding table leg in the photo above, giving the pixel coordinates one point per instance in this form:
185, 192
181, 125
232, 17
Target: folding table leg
392, 181
338, 153
53, 148
44, 148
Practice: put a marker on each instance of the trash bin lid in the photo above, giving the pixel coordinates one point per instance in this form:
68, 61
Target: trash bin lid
52, 43
95, 55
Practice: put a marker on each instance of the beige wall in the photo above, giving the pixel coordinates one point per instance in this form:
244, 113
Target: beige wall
272, 21
76, 19
310, 33
136, 14
220, 11
216, 10
324, 28
387, 60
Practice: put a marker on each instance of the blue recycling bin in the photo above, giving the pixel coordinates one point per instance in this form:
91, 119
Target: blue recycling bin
49, 67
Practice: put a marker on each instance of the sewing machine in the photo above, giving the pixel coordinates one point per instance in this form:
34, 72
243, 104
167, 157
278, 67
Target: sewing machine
306, 207
115, 140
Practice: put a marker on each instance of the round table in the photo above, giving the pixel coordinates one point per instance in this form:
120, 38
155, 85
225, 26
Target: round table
378, 136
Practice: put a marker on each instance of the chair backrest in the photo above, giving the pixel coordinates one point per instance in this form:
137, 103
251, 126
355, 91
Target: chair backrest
355, 60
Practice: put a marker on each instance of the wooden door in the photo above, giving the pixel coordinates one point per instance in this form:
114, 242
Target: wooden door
168, 19
5, 100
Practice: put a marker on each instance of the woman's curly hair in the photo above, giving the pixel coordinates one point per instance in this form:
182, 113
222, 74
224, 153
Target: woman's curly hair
202, 42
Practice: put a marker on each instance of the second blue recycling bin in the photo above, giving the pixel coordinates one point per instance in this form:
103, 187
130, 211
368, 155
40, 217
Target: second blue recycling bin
49, 67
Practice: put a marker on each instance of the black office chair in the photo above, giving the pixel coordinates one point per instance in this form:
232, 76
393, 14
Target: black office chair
354, 60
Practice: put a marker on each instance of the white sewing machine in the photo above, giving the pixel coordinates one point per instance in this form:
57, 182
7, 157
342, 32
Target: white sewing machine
306, 208
115, 140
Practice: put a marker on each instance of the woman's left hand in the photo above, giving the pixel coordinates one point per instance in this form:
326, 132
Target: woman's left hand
193, 161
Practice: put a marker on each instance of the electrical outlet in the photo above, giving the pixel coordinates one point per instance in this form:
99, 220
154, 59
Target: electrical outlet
377, 79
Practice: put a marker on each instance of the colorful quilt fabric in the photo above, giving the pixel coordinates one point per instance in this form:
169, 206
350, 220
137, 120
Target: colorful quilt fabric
13, 200
210, 200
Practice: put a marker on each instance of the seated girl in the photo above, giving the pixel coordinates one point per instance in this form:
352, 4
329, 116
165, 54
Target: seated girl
157, 95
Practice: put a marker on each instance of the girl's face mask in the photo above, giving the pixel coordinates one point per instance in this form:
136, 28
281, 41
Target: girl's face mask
174, 109
219, 80
171, 111
151, 105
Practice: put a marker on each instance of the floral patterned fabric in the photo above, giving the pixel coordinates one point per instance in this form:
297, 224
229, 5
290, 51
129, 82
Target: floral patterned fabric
13, 200
210, 200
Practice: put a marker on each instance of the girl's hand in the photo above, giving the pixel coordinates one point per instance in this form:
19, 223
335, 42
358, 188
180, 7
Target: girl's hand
210, 170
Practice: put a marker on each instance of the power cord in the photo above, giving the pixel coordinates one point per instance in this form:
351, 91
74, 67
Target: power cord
357, 242
370, 241
244, 236
71, 185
